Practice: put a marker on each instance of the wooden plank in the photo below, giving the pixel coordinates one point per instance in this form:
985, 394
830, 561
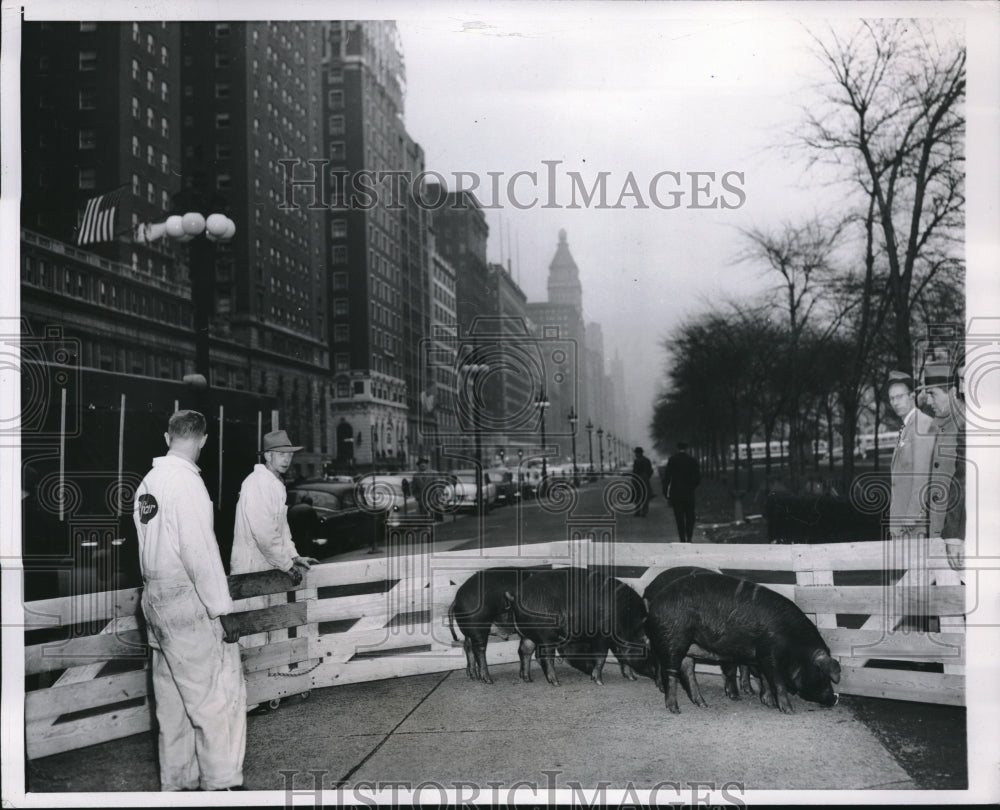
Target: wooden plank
90, 670
871, 555
907, 600
43, 742
82, 609
341, 647
753, 557
269, 656
346, 607
261, 583
271, 618
811, 578
73, 652
56, 700
864, 644
896, 684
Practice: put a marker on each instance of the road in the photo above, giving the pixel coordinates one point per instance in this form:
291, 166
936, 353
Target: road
601, 507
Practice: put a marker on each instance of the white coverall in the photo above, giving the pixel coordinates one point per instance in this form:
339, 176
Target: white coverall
261, 537
197, 677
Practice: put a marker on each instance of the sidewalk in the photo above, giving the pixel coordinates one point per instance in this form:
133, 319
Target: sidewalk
445, 728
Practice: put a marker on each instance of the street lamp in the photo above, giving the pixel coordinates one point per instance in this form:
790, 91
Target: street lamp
573, 419
216, 228
542, 404
600, 447
473, 370
590, 444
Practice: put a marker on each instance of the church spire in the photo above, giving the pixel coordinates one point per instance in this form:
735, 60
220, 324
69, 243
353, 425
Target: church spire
564, 276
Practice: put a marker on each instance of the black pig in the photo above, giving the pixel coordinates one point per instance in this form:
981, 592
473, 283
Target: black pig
736, 678
479, 604
715, 617
581, 615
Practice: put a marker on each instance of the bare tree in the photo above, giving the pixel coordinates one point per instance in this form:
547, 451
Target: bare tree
892, 119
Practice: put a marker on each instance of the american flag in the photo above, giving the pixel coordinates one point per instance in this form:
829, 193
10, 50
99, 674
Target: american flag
98, 224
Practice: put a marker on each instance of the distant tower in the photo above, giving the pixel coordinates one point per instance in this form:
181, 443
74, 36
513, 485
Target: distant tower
564, 277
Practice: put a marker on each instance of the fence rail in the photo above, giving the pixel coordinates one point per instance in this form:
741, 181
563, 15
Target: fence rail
387, 617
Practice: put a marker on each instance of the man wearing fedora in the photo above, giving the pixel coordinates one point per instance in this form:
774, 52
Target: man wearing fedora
948, 429
911, 460
261, 536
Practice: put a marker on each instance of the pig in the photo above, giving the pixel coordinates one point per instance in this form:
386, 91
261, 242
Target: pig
715, 617
581, 615
730, 671
479, 604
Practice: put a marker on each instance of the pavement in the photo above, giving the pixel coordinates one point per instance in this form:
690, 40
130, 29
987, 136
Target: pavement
446, 729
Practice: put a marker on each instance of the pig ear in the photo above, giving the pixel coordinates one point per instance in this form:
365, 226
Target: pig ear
829, 665
796, 676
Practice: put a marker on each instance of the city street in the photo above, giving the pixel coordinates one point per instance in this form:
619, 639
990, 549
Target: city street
599, 507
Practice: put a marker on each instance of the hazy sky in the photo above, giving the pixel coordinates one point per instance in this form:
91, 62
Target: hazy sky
620, 92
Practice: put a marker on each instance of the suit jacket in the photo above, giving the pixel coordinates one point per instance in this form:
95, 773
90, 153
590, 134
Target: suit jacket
911, 475
947, 438
680, 477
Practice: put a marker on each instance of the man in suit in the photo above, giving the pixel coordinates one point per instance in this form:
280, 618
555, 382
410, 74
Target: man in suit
681, 477
948, 432
642, 472
911, 461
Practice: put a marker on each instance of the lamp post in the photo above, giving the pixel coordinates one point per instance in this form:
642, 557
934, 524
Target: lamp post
600, 447
473, 370
542, 404
573, 419
217, 228
590, 444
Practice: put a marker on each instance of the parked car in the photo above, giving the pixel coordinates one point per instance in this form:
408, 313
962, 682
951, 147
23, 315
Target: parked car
461, 493
340, 525
503, 479
530, 478
387, 491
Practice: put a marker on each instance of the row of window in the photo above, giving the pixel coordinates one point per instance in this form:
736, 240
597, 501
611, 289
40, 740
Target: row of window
136, 113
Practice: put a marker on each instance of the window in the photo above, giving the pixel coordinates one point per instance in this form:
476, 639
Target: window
164, 57
150, 156
149, 43
336, 99
88, 60
149, 80
223, 151
88, 101
88, 27
336, 76
337, 150
88, 139
135, 32
222, 29
135, 185
87, 178
135, 108
43, 64
339, 254
164, 92
338, 228
340, 281
222, 120
341, 362
222, 60
150, 118
339, 306
336, 125
164, 201
222, 90
164, 163
150, 193
341, 333
223, 181
164, 128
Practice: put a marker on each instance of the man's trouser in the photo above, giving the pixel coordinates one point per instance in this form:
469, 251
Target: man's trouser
199, 690
684, 515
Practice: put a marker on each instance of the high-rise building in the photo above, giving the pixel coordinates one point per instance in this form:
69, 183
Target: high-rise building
461, 230
377, 245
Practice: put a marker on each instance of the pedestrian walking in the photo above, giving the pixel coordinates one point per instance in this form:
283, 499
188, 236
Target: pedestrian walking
911, 461
681, 478
642, 476
423, 489
196, 671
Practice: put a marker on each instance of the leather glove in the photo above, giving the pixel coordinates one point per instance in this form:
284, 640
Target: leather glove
230, 627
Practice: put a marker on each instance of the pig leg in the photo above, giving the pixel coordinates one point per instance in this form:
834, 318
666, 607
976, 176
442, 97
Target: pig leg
595, 674
628, 672
524, 651
776, 687
729, 671
746, 685
546, 654
470, 659
482, 671
690, 683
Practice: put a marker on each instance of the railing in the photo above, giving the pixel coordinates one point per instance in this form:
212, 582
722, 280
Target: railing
386, 617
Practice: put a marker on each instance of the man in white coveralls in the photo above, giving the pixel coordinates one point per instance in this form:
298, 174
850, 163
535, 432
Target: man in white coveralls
197, 675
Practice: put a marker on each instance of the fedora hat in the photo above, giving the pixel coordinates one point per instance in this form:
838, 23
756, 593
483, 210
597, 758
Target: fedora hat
937, 374
278, 440
900, 377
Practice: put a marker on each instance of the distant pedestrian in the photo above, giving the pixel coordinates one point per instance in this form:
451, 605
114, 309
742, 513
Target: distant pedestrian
197, 676
681, 478
911, 461
642, 475
424, 490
